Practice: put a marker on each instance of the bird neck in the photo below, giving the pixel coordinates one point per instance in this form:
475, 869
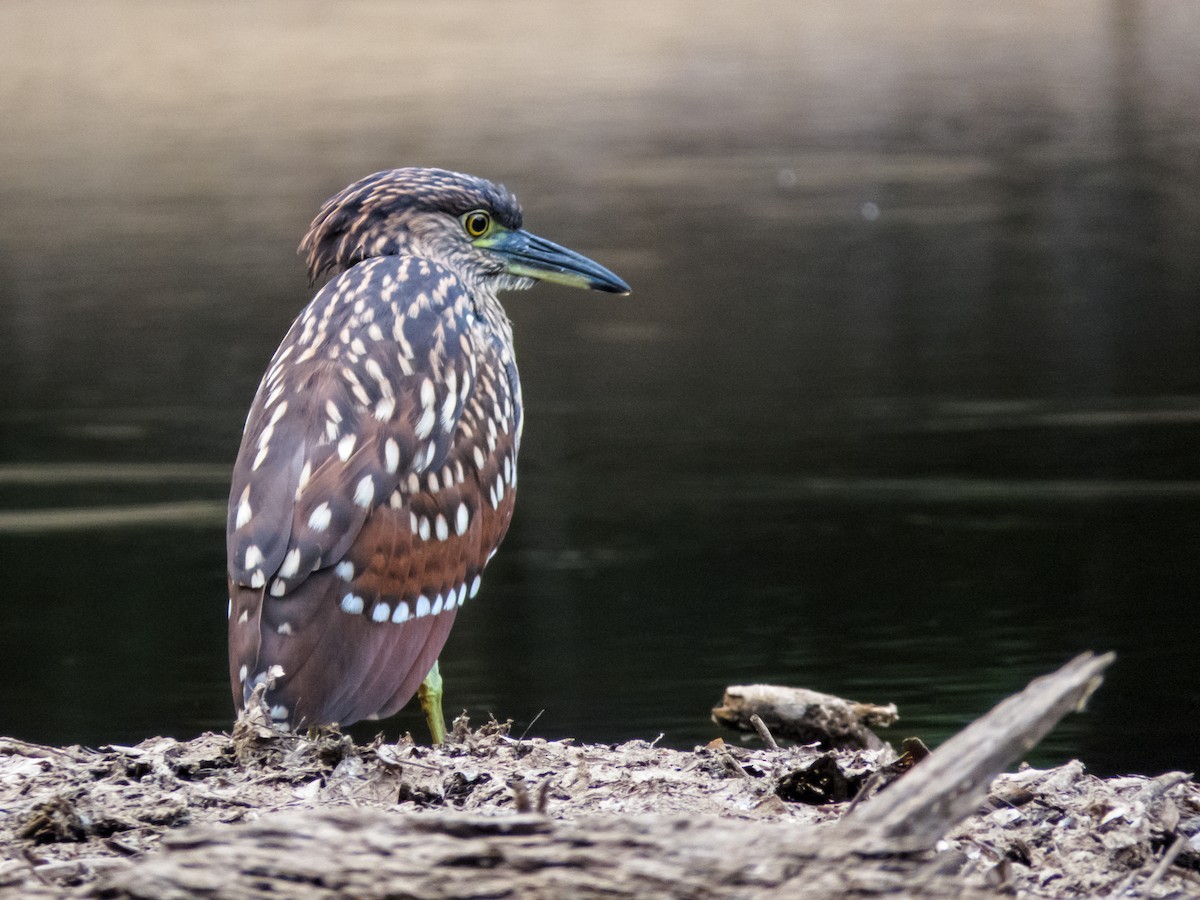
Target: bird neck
489, 309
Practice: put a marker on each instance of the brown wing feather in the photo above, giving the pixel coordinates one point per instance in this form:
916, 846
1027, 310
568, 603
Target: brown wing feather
390, 476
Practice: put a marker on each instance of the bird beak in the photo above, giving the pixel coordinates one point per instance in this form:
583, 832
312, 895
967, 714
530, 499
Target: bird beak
530, 256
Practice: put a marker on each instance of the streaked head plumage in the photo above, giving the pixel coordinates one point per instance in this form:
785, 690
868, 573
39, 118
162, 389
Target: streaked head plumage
469, 224
381, 215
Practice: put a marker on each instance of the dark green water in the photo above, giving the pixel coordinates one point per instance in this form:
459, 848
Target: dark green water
905, 405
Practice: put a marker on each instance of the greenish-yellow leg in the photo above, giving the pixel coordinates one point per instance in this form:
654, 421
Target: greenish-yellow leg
430, 695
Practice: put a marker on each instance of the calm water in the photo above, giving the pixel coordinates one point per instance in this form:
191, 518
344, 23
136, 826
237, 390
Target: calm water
905, 405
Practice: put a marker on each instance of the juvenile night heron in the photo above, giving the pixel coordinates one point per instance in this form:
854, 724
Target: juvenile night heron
378, 468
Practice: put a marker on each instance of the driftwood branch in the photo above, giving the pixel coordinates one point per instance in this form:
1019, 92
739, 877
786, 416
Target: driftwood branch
950, 783
804, 716
362, 852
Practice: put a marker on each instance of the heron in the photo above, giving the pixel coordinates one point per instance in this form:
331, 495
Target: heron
377, 471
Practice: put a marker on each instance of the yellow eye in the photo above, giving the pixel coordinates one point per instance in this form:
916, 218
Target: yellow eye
477, 223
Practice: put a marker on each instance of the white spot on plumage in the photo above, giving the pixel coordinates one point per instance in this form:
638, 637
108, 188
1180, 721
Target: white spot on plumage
364, 493
479, 457
258, 579
441, 527
437, 605
424, 426
284, 628
305, 474
229, 610
357, 346
346, 446
401, 613
462, 518
331, 410
412, 522
242, 673
448, 407
360, 393
279, 712
291, 563
254, 557
376, 371
406, 350
375, 333
278, 587
422, 606
331, 430
414, 483
243, 511
381, 613
320, 518
391, 455
432, 481
475, 586
344, 570
259, 459
352, 603
462, 594
244, 617
384, 408
423, 528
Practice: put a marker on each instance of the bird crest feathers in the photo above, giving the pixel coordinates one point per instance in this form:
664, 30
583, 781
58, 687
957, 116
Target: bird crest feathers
367, 219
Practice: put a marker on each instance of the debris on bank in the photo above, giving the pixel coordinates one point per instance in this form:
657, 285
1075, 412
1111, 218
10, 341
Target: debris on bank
264, 813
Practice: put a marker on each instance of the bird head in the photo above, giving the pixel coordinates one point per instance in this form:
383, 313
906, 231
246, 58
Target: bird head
470, 225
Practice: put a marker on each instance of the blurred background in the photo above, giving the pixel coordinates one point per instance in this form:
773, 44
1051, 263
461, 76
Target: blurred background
905, 405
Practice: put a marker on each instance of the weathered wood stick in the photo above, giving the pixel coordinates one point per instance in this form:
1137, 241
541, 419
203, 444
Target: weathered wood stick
805, 716
949, 784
